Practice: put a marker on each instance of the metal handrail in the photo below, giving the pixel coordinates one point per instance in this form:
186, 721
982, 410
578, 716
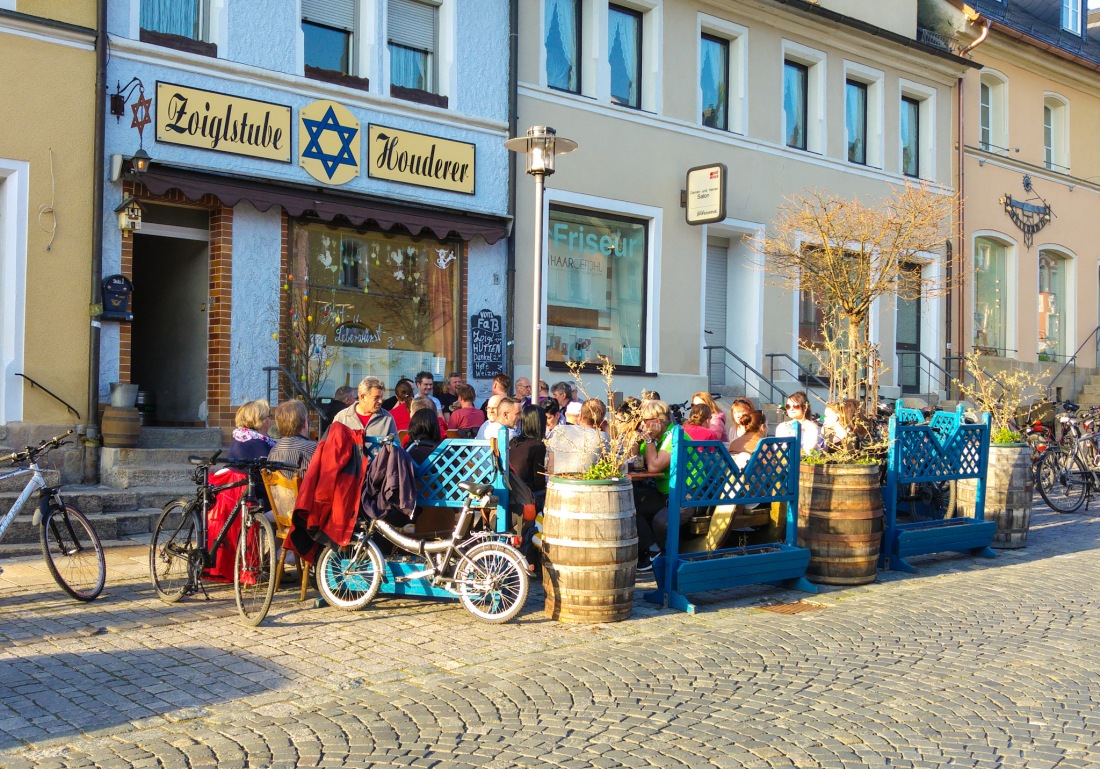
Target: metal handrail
269, 370
932, 364
56, 397
773, 389
1073, 361
818, 381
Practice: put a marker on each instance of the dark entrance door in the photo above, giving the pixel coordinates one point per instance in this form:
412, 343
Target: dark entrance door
908, 341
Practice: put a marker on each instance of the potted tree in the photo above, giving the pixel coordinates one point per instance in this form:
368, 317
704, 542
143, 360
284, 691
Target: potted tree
841, 256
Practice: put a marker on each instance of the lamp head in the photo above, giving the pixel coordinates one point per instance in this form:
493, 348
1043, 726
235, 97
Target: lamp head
541, 145
139, 163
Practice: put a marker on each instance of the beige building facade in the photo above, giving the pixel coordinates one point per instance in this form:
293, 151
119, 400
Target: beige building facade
788, 96
46, 202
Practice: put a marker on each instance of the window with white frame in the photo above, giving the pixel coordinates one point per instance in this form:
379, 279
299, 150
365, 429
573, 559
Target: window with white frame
803, 98
179, 18
1055, 134
916, 133
993, 113
411, 37
1053, 305
863, 114
563, 44
1071, 16
328, 29
722, 48
624, 54
991, 296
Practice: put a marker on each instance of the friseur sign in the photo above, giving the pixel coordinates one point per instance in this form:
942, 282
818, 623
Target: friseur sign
217, 121
427, 161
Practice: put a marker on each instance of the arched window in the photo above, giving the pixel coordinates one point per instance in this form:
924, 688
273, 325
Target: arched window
1056, 133
991, 296
993, 113
1053, 305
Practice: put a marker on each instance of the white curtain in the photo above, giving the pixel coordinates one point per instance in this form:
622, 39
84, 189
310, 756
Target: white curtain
625, 31
409, 68
172, 17
561, 44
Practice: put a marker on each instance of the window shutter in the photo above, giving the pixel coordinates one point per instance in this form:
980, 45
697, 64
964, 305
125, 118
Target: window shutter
412, 24
330, 13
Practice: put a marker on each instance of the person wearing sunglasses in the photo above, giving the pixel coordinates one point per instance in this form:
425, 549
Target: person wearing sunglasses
798, 410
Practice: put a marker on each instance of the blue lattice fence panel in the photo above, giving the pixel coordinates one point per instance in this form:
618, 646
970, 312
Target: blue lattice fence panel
943, 449
703, 474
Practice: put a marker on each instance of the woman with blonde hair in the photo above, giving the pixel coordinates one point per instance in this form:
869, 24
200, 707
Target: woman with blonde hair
717, 416
250, 439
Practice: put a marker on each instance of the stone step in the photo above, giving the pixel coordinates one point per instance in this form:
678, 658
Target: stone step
136, 476
17, 483
180, 438
109, 526
93, 500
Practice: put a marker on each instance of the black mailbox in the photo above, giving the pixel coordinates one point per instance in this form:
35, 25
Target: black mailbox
116, 298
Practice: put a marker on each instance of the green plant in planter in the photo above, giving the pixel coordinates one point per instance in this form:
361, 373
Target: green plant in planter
1001, 396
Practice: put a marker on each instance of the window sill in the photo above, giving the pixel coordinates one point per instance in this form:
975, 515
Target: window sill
593, 368
418, 96
337, 78
180, 43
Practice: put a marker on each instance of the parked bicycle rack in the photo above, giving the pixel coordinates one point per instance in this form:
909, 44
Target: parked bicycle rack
437, 478
944, 449
703, 474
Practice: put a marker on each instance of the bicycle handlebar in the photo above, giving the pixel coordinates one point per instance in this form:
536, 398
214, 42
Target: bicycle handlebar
32, 452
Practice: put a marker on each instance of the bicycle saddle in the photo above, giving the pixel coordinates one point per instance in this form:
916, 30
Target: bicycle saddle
475, 489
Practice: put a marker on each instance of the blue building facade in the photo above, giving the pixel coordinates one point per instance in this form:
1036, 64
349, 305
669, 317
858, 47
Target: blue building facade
328, 190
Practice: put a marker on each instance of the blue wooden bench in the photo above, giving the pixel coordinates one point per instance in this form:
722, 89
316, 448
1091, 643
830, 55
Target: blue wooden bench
437, 478
703, 474
943, 449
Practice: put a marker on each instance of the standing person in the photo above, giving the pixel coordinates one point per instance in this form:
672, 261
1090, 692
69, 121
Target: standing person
563, 394
698, 424
651, 495
367, 415
389, 403
424, 384
544, 391
294, 446
573, 448
502, 384
717, 416
401, 411
466, 417
449, 398
506, 414
523, 391
341, 399
798, 410
250, 439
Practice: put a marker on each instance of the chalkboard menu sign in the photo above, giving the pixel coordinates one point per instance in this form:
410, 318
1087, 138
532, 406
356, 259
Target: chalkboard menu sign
486, 345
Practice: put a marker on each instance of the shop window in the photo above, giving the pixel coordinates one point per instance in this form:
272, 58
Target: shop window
992, 114
384, 304
563, 44
182, 24
1053, 301
990, 297
624, 46
596, 288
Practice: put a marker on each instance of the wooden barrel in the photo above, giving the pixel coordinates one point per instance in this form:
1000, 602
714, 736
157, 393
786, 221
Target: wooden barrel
840, 522
1010, 483
121, 427
589, 550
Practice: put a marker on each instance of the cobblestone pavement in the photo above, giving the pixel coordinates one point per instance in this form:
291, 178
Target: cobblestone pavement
969, 663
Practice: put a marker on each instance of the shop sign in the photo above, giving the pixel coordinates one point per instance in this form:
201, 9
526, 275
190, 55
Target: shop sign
706, 194
486, 345
328, 142
427, 161
217, 121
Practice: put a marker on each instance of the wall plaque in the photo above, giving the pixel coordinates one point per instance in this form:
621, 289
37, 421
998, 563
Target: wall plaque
217, 121
427, 161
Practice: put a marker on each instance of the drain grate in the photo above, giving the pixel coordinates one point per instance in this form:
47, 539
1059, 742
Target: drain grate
791, 608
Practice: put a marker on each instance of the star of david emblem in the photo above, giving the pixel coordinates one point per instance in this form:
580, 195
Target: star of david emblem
140, 109
316, 129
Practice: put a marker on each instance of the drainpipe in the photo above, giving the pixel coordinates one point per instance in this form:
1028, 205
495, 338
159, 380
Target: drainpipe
513, 122
90, 439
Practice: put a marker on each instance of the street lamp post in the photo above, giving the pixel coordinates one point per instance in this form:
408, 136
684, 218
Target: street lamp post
541, 145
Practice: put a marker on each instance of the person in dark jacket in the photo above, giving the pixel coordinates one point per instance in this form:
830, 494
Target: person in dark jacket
423, 434
250, 439
527, 451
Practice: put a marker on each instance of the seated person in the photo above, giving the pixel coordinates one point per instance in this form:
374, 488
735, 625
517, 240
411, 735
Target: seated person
505, 412
294, 446
844, 425
400, 412
422, 403
527, 451
572, 412
752, 427
553, 414
389, 403
651, 495
465, 417
250, 439
573, 448
698, 424
423, 435
798, 410
717, 416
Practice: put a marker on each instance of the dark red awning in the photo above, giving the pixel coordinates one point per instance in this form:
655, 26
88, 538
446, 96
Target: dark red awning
300, 200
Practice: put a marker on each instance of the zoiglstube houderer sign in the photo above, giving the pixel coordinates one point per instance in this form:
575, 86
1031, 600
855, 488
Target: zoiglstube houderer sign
217, 121
427, 161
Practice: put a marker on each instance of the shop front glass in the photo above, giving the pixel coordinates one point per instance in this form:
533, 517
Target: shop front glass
1052, 305
595, 288
990, 297
377, 304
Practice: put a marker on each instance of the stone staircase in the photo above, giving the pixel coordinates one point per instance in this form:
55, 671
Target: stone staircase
135, 485
1089, 395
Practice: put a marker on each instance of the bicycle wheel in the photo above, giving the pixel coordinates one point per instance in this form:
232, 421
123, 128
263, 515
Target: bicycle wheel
493, 584
349, 578
932, 500
1064, 481
73, 552
254, 568
174, 548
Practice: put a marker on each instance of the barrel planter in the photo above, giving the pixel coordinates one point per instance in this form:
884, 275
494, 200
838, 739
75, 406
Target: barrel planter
121, 427
589, 549
1009, 485
840, 522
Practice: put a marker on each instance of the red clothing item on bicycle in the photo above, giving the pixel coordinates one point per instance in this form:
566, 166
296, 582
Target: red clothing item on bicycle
216, 516
328, 499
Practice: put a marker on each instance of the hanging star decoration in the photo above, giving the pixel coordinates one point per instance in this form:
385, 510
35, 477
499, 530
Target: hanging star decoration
140, 109
317, 129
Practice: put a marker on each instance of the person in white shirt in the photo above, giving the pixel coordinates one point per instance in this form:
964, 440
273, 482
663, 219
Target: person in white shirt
424, 384
798, 410
506, 414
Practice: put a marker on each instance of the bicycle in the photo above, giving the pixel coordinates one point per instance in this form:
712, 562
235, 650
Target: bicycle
1067, 473
180, 556
70, 545
488, 575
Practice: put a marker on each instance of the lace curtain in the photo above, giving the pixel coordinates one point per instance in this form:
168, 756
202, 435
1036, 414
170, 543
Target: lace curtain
561, 44
171, 17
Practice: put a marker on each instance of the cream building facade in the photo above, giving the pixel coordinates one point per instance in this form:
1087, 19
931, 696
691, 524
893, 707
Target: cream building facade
787, 95
46, 183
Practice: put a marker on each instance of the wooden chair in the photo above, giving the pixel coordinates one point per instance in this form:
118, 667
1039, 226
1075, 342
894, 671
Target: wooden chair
282, 491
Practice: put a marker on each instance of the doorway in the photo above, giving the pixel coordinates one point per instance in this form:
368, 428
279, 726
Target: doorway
169, 346
910, 312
